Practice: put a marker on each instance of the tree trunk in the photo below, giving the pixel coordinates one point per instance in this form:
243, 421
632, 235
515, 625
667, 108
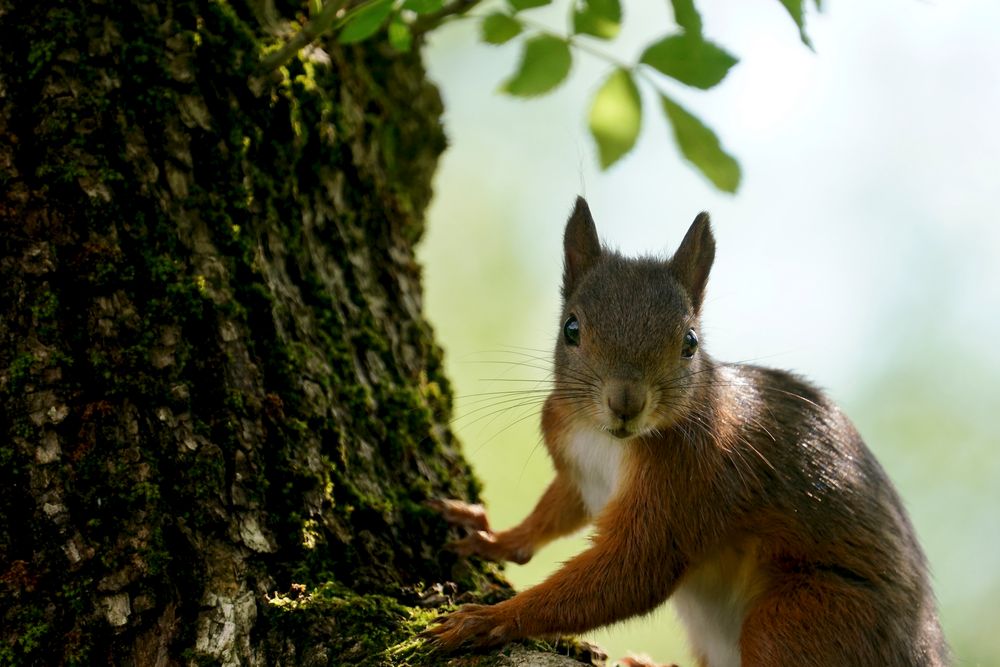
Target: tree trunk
222, 407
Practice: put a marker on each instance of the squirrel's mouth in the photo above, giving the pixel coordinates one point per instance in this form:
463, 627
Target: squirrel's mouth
621, 433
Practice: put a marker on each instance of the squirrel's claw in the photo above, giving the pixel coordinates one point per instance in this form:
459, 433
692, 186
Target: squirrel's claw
473, 625
491, 547
481, 541
460, 513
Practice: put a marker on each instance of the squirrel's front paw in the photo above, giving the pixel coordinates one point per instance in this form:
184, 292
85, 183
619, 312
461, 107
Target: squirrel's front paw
474, 625
461, 513
481, 541
491, 546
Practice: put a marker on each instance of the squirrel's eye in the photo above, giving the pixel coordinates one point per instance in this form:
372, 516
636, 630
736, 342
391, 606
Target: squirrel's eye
690, 344
571, 331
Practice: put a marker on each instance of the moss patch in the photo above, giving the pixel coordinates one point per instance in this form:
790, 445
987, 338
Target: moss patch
331, 624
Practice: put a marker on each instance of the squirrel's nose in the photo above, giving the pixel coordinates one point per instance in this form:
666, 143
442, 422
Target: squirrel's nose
626, 399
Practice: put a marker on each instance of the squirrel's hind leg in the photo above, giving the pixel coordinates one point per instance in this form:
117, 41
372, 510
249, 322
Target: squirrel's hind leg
820, 619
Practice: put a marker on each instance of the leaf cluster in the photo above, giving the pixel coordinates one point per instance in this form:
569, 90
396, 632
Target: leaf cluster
683, 55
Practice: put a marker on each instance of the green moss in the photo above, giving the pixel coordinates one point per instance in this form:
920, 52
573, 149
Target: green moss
45, 307
19, 372
378, 630
30, 628
235, 402
44, 51
363, 629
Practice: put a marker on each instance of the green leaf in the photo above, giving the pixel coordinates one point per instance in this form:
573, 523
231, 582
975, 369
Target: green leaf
600, 18
423, 6
615, 117
689, 59
797, 12
701, 147
400, 37
545, 62
686, 16
500, 28
521, 5
365, 22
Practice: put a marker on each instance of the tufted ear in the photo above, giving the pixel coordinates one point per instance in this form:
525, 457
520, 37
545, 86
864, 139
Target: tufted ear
693, 259
581, 245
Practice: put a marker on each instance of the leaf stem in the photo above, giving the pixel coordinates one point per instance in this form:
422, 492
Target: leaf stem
573, 40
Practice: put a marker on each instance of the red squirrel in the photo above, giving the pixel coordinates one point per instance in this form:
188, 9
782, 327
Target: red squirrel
739, 492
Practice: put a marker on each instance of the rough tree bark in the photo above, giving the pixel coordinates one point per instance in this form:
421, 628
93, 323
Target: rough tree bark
221, 407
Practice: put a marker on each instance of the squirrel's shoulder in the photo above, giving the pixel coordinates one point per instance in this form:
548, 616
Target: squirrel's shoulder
777, 385
791, 403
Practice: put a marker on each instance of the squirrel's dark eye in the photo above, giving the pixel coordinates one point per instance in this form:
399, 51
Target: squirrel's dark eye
571, 331
690, 344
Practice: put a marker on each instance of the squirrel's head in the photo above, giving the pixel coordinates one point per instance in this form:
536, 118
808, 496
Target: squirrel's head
628, 357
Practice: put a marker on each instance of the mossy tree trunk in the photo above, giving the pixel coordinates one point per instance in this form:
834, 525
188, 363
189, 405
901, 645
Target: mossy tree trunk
216, 380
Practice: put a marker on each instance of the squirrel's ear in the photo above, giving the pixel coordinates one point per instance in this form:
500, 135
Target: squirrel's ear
581, 244
693, 259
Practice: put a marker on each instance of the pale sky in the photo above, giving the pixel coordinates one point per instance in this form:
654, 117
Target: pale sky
864, 241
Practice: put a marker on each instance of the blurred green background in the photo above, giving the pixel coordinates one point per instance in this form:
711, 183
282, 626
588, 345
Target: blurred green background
862, 250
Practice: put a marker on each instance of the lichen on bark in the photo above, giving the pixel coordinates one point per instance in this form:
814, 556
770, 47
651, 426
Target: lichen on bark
217, 385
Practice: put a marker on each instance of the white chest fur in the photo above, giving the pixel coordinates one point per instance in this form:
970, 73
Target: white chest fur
713, 601
595, 461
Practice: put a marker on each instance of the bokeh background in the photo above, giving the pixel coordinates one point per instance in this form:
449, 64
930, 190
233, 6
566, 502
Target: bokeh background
862, 250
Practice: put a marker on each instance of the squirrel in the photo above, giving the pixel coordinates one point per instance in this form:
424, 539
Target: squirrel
741, 493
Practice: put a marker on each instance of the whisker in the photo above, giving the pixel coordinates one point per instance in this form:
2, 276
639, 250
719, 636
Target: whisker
515, 397
494, 412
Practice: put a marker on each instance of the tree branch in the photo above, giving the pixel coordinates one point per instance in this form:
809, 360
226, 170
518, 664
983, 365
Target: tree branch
315, 27
430, 21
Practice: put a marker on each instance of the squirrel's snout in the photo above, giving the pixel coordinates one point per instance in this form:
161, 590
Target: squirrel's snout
626, 400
